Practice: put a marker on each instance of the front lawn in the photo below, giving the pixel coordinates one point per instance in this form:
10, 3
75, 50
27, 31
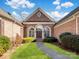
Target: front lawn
29, 51
62, 51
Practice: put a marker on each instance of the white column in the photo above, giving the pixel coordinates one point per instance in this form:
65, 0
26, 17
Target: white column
76, 25
50, 32
27, 32
43, 33
35, 32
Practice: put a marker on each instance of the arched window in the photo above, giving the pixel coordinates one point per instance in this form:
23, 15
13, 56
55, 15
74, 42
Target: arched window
46, 32
31, 32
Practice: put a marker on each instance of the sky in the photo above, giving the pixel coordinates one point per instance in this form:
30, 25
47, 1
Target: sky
21, 9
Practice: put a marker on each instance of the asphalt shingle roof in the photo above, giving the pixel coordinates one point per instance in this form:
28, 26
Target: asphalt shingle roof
65, 18
9, 16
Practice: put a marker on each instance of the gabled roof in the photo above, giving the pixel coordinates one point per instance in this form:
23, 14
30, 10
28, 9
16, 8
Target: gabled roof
5, 14
39, 9
8, 16
67, 16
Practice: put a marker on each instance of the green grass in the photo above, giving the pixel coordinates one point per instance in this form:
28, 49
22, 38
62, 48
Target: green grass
29, 51
62, 51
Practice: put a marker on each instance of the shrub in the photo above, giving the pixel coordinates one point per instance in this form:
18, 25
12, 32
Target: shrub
18, 40
75, 42
29, 39
50, 39
4, 42
34, 40
1, 51
71, 42
64, 34
66, 41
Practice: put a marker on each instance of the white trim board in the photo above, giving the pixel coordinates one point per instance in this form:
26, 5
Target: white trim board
64, 22
39, 9
73, 17
38, 23
77, 24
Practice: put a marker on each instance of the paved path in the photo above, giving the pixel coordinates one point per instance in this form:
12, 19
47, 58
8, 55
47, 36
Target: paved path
53, 54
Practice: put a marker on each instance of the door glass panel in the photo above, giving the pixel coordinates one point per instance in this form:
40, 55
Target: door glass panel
38, 33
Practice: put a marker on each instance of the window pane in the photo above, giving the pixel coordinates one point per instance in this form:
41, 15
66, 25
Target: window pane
31, 32
46, 32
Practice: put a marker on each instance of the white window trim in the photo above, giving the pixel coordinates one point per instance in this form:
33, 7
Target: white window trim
35, 31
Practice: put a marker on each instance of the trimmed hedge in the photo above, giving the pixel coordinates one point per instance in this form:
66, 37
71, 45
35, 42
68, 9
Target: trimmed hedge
71, 42
64, 34
50, 39
4, 44
29, 39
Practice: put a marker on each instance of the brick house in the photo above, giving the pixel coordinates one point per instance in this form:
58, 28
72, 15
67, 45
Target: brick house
9, 26
39, 25
69, 23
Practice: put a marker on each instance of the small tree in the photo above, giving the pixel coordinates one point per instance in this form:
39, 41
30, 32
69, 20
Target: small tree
18, 40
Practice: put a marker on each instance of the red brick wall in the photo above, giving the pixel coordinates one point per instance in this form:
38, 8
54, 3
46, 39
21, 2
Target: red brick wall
67, 27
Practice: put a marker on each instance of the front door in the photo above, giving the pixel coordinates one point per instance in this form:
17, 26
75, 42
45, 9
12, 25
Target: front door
38, 33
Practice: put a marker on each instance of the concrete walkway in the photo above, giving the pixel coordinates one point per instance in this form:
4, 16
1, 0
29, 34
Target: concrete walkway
53, 54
